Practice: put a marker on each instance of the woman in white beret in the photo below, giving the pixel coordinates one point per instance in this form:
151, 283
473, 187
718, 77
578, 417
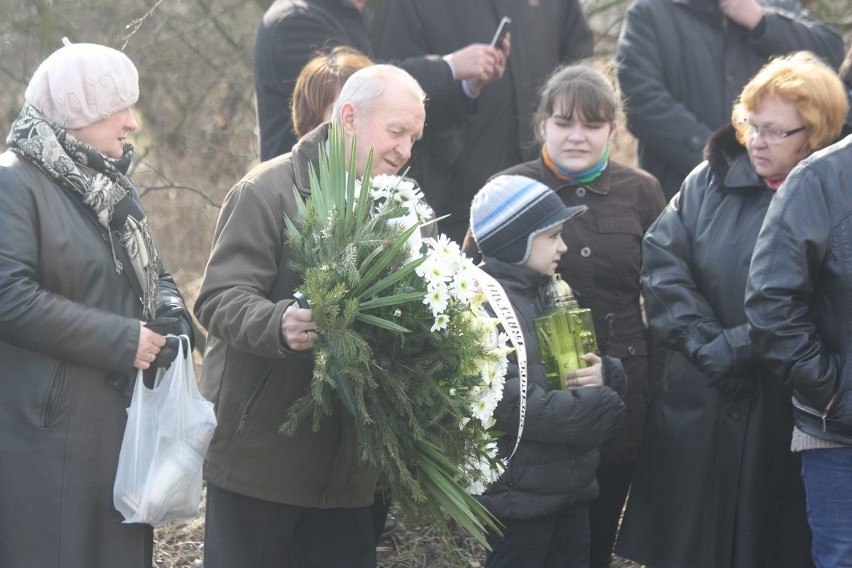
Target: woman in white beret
84, 304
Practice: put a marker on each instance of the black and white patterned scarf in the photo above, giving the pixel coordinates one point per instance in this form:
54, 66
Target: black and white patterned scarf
103, 185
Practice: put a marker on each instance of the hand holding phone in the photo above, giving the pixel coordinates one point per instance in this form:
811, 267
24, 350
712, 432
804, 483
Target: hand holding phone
502, 30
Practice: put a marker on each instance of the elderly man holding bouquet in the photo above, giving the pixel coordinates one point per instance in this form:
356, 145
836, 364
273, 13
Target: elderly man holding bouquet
273, 497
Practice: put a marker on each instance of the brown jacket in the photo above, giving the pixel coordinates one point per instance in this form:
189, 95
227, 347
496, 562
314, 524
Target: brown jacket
248, 373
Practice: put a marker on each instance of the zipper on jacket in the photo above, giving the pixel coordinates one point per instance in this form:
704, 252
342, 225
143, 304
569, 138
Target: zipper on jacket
827, 410
249, 407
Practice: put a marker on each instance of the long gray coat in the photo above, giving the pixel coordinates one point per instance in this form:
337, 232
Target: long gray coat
69, 327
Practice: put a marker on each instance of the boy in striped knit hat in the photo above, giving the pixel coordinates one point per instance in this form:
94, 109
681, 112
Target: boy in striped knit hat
542, 497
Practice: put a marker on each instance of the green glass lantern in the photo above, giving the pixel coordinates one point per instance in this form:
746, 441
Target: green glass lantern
564, 332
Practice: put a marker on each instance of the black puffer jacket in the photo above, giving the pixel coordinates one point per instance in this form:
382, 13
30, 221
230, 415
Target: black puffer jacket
681, 64
799, 301
555, 463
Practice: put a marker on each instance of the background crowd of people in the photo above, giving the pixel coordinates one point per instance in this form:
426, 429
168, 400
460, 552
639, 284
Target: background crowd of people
735, 434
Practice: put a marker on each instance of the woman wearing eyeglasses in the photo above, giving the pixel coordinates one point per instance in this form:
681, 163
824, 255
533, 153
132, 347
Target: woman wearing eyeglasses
716, 484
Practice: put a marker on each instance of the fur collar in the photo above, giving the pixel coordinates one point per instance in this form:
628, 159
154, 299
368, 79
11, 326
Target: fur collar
722, 150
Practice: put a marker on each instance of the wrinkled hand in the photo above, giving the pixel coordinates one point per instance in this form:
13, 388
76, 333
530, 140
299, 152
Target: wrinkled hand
591, 376
150, 344
746, 13
298, 330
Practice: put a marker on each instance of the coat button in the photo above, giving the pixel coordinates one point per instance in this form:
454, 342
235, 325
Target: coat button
631, 350
581, 192
585, 252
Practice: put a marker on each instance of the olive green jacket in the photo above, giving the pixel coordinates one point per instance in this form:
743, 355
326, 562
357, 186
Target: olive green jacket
248, 373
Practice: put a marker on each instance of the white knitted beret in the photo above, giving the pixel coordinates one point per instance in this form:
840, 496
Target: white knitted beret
82, 83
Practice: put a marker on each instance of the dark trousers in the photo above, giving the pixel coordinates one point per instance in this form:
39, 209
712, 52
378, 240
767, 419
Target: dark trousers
379, 512
605, 511
245, 532
558, 540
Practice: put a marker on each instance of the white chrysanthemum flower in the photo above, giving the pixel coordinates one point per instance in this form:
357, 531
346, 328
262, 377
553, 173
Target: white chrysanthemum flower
424, 211
490, 332
435, 270
492, 395
501, 369
477, 487
486, 404
463, 286
499, 465
445, 246
441, 322
404, 221
391, 192
406, 192
437, 298
477, 300
379, 194
483, 410
484, 469
502, 340
385, 182
489, 372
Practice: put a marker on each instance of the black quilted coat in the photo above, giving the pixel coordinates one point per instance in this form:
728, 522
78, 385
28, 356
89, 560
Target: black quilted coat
554, 466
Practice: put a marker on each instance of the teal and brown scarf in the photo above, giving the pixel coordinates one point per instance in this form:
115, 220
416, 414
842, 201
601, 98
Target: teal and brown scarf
104, 186
576, 178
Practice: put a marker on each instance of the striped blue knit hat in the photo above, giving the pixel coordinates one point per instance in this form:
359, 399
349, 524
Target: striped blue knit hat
509, 211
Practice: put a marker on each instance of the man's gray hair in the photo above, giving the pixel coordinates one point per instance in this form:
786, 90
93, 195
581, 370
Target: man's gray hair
368, 84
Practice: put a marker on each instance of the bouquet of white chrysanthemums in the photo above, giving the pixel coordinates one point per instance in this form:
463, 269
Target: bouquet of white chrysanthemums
404, 344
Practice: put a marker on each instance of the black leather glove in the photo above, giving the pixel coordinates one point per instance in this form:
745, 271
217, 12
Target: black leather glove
729, 353
171, 309
168, 325
716, 358
733, 387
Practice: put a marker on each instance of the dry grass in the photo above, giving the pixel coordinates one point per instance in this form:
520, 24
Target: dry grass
180, 546
409, 547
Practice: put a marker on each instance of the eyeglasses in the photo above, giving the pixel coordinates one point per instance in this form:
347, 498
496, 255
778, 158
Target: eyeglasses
770, 134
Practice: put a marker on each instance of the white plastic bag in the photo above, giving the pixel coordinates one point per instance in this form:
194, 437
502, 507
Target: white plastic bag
169, 428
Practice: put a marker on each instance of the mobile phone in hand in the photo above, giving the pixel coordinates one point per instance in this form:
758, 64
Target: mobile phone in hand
502, 30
